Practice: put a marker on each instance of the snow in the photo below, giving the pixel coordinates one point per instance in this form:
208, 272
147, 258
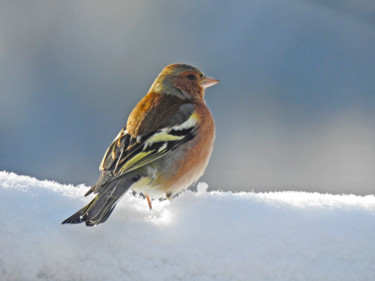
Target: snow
198, 236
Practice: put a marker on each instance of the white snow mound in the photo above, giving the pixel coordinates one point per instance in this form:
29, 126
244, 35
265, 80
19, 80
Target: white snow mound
198, 236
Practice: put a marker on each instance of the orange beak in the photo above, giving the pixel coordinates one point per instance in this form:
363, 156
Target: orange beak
208, 82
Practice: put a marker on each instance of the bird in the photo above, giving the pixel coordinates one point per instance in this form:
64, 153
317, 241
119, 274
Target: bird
164, 147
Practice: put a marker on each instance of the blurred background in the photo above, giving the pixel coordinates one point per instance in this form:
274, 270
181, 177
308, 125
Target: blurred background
295, 109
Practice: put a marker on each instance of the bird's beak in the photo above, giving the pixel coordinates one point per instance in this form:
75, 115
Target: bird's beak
208, 82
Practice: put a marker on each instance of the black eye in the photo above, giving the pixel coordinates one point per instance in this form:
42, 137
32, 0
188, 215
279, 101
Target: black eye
192, 77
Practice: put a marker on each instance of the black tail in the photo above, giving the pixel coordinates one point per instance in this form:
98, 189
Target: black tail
100, 208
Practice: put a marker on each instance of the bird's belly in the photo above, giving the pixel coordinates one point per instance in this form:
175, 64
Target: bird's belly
175, 172
161, 188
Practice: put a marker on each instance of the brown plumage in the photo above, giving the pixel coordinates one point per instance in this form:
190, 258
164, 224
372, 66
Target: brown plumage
164, 147
150, 112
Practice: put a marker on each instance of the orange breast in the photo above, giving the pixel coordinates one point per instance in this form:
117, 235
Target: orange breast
196, 157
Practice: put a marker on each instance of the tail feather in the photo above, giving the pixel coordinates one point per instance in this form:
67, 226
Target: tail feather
91, 190
99, 209
103, 206
104, 217
77, 217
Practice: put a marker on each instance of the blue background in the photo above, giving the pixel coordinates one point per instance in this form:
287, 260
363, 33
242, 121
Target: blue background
294, 110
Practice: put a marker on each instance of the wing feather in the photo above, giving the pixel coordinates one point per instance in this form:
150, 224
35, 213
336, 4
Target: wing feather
127, 153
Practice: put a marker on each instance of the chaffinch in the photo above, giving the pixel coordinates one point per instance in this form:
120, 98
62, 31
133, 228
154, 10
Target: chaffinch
164, 147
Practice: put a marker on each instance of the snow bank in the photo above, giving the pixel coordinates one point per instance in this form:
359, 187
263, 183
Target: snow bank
198, 236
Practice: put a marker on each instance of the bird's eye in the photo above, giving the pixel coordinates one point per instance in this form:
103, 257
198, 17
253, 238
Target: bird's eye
191, 77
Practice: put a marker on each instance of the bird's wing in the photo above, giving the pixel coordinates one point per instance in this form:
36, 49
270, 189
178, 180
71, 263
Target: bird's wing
127, 153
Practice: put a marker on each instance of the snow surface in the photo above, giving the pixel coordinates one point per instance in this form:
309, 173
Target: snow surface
197, 236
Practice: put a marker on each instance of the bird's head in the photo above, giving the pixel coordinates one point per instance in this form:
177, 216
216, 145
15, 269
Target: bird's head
183, 81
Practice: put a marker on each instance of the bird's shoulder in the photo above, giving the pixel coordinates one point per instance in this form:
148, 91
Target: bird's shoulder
156, 111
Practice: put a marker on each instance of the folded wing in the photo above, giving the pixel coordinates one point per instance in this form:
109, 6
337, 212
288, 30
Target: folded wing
127, 153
